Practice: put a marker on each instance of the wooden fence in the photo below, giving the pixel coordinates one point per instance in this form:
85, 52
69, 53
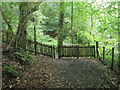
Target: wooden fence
65, 51
101, 55
39, 48
49, 50
77, 51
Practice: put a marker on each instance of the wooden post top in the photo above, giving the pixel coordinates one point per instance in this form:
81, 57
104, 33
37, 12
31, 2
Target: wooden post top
97, 44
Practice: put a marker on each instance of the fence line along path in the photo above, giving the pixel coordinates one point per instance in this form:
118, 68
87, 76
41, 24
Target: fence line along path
65, 51
77, 51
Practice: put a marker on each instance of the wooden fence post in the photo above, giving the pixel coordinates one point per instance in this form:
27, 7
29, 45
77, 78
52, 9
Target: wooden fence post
97, 48
53, 51
103, 54
112, 58
35, 45
94, 51
77, 51
59, 51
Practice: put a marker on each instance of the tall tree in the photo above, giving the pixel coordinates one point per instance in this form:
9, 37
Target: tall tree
25, 10
72, 21
119, 42
60, 29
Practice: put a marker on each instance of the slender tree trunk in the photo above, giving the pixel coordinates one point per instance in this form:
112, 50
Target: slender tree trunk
72, 37
91, 14
91, 18
60, 30
35, 45
25, 9
21, 31
21, 34
119, 44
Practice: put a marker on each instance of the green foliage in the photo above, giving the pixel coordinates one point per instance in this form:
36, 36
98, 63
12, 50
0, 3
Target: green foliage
11, 12
22, 55
91, 22
10, 70
41, 37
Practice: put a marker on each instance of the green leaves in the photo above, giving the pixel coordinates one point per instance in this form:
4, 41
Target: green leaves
11, 70
11, 12
18, 54
24, 56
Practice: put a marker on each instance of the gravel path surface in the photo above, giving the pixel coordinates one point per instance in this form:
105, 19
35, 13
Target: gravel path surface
86, 73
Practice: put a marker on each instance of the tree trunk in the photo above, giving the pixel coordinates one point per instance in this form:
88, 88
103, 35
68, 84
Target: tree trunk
21, 34
21, 31
60, 30
72, 37
119, 43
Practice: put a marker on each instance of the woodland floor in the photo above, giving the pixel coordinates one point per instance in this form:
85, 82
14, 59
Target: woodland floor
46, 72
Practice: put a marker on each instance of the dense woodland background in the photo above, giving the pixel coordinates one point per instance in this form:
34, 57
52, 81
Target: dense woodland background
83, 23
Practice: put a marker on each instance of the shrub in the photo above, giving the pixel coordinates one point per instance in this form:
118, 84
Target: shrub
10, 71
24, 56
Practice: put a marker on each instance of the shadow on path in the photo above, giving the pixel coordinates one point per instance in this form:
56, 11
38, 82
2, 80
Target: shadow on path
86, 73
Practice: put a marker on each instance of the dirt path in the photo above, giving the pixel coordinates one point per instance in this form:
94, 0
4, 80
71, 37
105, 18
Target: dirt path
46, 72
86, 73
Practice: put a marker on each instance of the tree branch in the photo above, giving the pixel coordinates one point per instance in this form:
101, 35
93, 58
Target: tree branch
7, 22
35, 8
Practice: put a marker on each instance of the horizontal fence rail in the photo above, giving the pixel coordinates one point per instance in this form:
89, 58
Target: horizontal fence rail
98, 51
43, 49
77, 51
66, 50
